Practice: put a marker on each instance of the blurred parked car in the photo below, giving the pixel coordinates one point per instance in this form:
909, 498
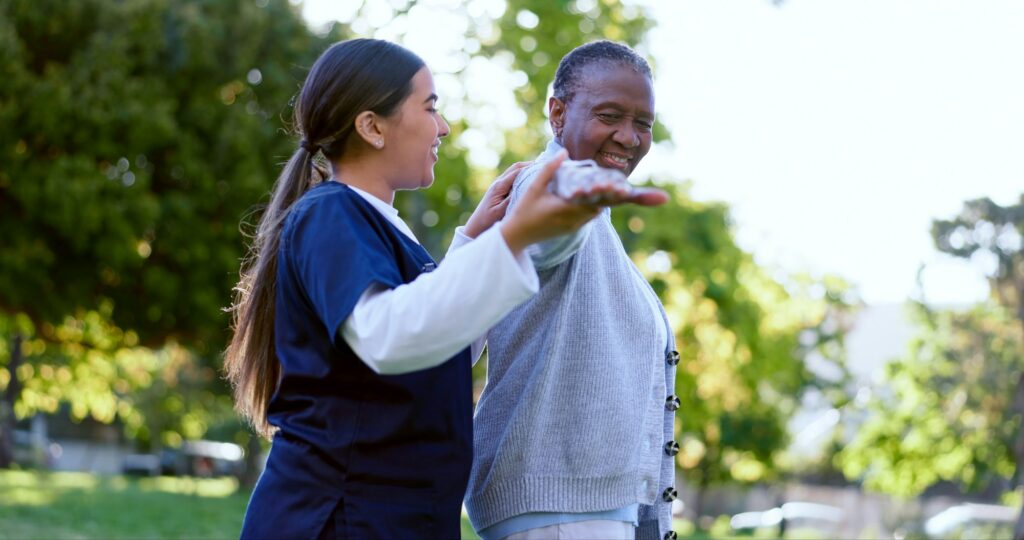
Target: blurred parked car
204, 459
972, 521
822, 518
141, 464
33, 449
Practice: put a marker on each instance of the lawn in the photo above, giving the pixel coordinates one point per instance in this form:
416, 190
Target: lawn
65, 505
71, 505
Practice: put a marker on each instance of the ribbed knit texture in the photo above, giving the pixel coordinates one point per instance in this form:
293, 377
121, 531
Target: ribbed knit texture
573, 417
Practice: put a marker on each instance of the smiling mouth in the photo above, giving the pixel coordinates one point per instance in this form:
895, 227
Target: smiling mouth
615, 159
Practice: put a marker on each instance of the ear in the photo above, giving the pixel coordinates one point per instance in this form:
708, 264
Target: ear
370, 128
556, 113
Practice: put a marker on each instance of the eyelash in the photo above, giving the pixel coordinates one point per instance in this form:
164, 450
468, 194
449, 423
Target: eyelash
432, 109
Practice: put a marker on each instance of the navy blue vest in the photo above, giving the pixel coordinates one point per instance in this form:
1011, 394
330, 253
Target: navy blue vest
357, 454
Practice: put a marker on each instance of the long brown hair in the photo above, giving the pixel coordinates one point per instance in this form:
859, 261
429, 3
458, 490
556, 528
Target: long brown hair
349, 77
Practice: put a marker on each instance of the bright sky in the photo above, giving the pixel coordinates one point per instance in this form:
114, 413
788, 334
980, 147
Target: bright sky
835, 129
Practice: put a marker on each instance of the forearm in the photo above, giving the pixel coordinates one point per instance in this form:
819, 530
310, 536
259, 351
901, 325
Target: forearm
423, 323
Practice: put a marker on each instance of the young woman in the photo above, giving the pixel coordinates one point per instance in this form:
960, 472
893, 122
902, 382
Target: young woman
349, 349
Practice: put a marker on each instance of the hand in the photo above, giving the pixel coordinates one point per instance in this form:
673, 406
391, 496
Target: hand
494, 203
541, 214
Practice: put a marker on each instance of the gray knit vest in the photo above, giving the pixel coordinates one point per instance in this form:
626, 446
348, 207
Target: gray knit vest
573, 417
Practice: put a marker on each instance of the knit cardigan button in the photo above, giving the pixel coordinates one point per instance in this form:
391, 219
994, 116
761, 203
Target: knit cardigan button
671, 448
671, 535
672, 403
672, 358
670, 494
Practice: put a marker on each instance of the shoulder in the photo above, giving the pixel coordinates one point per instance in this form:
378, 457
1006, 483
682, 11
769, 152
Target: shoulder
332, 213
529, 174
329, 202
526, 177
325, 197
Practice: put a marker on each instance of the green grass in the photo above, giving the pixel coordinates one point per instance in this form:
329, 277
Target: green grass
66, 505
80, 505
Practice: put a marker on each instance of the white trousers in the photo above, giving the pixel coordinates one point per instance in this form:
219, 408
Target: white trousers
594, 529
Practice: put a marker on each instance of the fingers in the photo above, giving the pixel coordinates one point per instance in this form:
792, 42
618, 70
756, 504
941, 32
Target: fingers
602, 194
512, 171
648, 197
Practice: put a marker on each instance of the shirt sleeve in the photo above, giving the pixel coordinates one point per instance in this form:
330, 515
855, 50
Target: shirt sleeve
552, 252
334, 250
460, 239
422, 324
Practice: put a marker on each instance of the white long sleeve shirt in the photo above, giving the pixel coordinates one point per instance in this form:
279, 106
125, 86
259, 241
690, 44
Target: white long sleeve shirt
423, 323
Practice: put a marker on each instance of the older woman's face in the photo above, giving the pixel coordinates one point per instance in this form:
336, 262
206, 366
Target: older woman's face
609, 119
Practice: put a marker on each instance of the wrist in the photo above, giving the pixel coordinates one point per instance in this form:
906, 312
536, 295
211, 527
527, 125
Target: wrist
514, 237
472, 229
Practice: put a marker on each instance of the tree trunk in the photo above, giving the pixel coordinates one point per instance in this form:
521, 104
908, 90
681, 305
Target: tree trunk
252, 461
7, 401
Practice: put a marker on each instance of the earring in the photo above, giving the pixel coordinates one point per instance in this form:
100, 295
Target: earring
378, 143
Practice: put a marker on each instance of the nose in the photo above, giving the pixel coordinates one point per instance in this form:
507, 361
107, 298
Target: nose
627, 135
442, 127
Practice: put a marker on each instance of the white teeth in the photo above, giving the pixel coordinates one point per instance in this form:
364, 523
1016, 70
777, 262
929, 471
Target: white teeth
617, 159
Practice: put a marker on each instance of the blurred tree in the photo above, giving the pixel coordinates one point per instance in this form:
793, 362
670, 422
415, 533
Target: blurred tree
744, 338
945, 410
992, 233
136, 135
951, 408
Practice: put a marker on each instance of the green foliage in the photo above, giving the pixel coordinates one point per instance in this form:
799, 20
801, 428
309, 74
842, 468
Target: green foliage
987, 230
950, 411
947, 411
137, 135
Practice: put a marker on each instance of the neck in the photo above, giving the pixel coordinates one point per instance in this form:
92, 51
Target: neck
365, 175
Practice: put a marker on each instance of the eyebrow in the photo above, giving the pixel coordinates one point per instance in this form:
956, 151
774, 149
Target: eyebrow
433, 97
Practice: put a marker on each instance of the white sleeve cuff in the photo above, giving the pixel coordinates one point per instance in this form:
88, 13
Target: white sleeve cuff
460, 239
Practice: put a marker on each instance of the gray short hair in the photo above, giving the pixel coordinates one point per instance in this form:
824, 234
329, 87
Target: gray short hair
570, 71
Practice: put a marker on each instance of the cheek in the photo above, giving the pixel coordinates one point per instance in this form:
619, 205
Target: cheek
645, 144
597, 135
